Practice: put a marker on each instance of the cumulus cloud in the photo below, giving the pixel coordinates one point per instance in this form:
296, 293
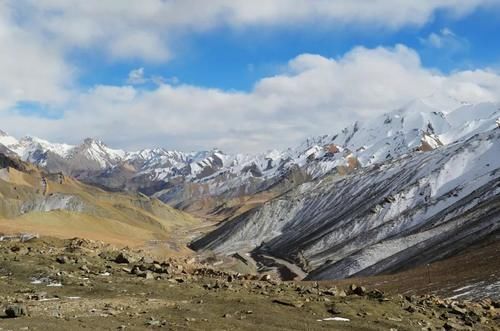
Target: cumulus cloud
31, 69
313, 95
148, 29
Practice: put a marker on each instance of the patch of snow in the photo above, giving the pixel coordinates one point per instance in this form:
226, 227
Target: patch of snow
336, 319
54, 285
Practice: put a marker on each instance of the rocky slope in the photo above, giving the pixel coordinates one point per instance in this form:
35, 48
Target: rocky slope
382, 218
79, 284
184, 179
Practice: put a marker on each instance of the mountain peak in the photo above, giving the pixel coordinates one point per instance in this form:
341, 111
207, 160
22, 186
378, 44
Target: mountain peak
93, 141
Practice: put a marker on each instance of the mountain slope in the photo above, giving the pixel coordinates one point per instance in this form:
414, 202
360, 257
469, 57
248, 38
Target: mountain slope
53, 204
382, 218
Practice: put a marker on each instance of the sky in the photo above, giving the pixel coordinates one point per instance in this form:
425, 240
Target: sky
238, 75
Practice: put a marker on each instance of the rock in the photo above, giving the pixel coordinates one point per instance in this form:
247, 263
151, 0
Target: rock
84, 268
156, 268
265, 278
457, 310
39, 296
394, 319
411, 298
21, 250
14, 311
411, 309
125, 258
148, 275
81, 260
107, 255
227, 316
147, 260
62, 259
153, 322
334, 310
452, 326
376, 294
358, 290
331, 291
136, 270
288, 303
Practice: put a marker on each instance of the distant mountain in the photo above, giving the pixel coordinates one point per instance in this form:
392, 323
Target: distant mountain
185, 179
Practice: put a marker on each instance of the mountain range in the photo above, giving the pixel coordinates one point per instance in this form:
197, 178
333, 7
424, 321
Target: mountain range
183, 179
409, 187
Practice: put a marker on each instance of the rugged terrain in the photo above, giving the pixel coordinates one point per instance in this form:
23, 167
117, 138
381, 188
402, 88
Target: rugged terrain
49, 284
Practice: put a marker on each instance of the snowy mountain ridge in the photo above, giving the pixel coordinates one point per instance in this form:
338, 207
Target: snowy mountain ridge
404, 212
420, 125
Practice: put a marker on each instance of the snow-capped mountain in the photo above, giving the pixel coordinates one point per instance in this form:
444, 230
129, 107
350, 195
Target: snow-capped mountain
179, 178
416, 209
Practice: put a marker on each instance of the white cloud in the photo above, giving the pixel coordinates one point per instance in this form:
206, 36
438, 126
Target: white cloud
445, 39
149, 29
30, 69
136, 76
314, 95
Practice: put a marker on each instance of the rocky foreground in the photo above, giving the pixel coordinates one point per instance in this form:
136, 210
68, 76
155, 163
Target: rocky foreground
48, 284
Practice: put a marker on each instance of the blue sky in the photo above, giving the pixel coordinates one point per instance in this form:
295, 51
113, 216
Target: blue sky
234, 74
229, 59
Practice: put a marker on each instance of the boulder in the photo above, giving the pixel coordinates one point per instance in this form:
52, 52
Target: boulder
62, 259
14, 311
358, 290
125, 258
